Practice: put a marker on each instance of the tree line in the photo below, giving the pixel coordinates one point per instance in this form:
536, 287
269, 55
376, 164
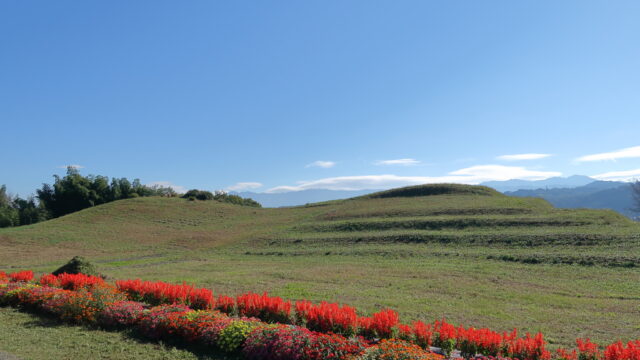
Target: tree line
75, 192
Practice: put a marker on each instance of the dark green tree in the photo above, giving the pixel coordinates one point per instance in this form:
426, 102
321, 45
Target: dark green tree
8, 214
75, 192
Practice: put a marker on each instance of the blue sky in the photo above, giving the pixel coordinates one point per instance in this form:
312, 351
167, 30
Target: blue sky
290, 95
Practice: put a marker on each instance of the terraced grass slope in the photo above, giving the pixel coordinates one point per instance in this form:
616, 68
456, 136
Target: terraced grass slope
465, 252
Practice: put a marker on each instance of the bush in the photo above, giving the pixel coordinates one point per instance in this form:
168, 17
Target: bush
226, 304
26, 275
269, 309
198, 194
34, 297
83, 306
233, 335
221, 196
121, 314
393, 349
72, 281
327, 317
191, 325
158, 292
210, 334
9, 293
277, 342
381, 325
445, 336
77, 265
282, 342
156, 322
333, 346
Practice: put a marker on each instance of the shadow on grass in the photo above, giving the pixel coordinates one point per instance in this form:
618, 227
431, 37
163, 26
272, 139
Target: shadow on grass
202, 352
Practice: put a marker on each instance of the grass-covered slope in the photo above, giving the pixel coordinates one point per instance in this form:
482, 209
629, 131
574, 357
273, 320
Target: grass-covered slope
465, 252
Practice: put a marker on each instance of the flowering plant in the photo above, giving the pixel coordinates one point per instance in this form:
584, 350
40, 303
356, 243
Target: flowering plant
269, 309
121, 313
25, 276
235, 333
156, 323
327, 317
393, 349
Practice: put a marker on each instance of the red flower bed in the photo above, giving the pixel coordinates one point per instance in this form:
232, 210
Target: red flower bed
393, 349
89, 299
26, 275
264, 307
226, 304
71, 281
380, 324
158, 292
618, 351
193, 324
121, 314
297, 343
34, 297
527, 348
473, 341
328, 317
422, 333
157, 323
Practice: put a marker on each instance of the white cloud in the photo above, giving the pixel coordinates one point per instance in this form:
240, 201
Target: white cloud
177, 188
244, 186
480, 173
401, 162
322, 164
631, 152
470, 175
73, 166
517, 157
627, 175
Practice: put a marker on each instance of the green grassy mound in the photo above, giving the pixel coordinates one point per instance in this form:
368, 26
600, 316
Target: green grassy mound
464, 252
434, 189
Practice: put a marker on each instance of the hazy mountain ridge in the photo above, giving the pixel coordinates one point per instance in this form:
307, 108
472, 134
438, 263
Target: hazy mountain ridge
595, 195
577, 191
551, 183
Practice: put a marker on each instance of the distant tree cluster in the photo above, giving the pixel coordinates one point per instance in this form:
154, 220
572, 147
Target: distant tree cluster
75, 192
221, 196
15, 211
71, 193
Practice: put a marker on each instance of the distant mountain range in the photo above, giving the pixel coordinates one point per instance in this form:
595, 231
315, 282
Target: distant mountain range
550, 183
576, 191
595, 195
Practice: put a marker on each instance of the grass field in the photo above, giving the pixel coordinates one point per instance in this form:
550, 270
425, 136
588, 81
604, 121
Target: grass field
468, 254
28, 336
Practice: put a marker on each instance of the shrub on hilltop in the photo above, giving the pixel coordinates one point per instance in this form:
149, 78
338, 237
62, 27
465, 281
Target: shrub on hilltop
221, 196
77, 265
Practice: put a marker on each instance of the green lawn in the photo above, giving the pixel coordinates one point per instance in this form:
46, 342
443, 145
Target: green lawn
479, 259
36, 338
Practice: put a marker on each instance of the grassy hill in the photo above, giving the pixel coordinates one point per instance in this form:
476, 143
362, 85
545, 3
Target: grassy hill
466, 253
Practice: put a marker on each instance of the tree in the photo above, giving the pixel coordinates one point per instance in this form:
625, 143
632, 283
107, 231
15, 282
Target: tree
29, 212
198, 194
8, 214
15, 211
75, 192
